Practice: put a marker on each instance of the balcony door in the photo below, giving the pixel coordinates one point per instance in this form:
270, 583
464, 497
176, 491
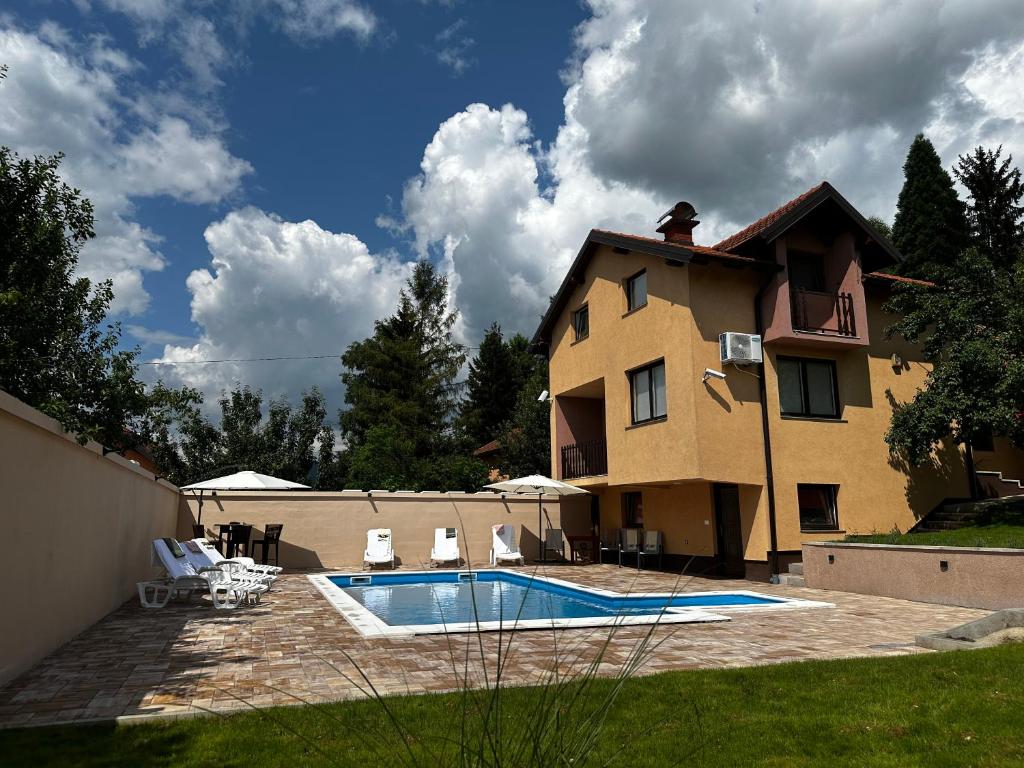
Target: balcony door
728, 531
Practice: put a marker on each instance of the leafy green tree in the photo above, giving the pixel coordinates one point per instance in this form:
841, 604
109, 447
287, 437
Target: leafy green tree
930, 228
58, 352
284, 443
526, 436
400, 385
971, 330
881, 225
994, 212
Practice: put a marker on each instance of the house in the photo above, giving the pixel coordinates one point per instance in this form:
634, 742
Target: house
739, 463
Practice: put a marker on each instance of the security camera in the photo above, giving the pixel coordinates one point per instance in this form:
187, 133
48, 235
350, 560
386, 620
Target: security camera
710, 373
543, 396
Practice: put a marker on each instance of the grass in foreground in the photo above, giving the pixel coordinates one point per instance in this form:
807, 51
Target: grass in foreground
962, 708
1005, 529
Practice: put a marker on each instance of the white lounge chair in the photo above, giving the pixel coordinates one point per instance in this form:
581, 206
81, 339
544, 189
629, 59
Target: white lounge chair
183, 576
503, 545
378, 548
446, 546
202, 554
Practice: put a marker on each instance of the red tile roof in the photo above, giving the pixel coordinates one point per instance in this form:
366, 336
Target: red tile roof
701, 249
899, 279
487, 448
765, 222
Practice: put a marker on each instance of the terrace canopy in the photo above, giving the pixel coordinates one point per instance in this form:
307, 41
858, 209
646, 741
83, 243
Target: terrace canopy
242, 481
540, 485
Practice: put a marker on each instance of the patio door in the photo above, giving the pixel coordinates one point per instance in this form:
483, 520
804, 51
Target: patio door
728, 530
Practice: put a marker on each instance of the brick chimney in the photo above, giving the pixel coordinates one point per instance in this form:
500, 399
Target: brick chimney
680, 223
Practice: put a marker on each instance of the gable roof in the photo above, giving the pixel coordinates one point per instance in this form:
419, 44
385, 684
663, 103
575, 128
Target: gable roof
767, 228
772, 225
675, 253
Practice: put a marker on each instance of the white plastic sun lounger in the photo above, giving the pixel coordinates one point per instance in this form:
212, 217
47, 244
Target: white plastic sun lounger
201, 553
378, 548
183, 576
446, 546
503, 545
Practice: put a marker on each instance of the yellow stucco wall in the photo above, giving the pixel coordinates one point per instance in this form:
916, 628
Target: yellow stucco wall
619, 342
713, 431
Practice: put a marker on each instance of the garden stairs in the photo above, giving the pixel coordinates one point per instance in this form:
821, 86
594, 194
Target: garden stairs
963, 513
795, 577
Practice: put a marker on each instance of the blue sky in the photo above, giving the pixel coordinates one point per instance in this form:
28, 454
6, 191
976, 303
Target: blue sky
265, 171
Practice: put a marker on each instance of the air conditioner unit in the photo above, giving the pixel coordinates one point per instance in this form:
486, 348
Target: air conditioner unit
740, 348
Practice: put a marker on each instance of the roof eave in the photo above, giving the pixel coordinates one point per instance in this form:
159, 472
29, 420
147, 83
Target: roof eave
671, 252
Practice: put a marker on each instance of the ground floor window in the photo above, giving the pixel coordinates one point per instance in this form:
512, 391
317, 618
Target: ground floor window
633, 510
817, 507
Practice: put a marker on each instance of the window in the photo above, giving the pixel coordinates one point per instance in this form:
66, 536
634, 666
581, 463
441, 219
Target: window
647, 388
581, 322
808, 387
806, 271
633, 510
983, 441
636, 291
817, 507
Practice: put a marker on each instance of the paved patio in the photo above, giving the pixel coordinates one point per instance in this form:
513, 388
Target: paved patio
187, 658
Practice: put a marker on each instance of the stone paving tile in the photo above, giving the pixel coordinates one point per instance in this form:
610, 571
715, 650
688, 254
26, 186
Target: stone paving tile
295, 647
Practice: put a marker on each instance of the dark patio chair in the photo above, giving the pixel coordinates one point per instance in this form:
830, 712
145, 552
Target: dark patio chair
238, 539
271, 538
610, 542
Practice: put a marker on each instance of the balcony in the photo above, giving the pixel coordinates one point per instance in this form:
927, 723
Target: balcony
584, 459
829, 314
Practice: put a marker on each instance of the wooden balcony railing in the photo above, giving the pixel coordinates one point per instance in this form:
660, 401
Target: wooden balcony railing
823, 312
584, 459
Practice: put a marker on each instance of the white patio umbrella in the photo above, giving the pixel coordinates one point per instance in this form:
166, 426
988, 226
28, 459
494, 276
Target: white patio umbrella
540, 485
242, 481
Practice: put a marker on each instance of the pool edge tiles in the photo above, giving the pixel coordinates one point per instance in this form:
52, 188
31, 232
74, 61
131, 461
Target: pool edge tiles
369, 625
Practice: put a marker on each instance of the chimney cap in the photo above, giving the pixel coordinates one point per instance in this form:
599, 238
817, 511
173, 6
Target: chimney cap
681, 210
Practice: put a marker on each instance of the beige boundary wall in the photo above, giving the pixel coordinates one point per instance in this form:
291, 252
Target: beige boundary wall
971, 577
328, 529
77, 528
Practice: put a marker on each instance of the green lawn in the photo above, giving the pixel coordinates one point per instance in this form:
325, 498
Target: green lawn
1005, 529
964, 708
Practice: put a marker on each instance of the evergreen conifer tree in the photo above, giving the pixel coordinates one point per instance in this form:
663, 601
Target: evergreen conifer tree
930, 229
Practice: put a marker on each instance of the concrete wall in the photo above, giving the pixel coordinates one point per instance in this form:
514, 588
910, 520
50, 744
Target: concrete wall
77, 529
328, 529
975, 578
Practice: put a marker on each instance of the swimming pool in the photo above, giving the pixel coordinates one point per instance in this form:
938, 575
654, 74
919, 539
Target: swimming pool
429, 602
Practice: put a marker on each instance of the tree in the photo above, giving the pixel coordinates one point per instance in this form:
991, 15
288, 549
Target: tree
400, 385
930, 228
496, 376
526, 436
995, 214
58, 353
284, 443
971, 330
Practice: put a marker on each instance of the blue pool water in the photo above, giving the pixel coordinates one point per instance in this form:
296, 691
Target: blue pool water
450, 598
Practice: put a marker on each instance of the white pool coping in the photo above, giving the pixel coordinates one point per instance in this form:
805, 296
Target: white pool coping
369, 624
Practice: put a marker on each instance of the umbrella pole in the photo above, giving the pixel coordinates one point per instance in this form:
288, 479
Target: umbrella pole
199, 521
540, 526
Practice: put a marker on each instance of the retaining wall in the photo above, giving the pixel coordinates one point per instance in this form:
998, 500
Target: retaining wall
965, 576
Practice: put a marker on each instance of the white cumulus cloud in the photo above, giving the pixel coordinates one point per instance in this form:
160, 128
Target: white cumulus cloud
281, 288
734, 106
79, 99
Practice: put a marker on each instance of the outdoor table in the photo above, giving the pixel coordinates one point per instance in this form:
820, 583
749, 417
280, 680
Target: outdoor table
224, 529
589, 542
